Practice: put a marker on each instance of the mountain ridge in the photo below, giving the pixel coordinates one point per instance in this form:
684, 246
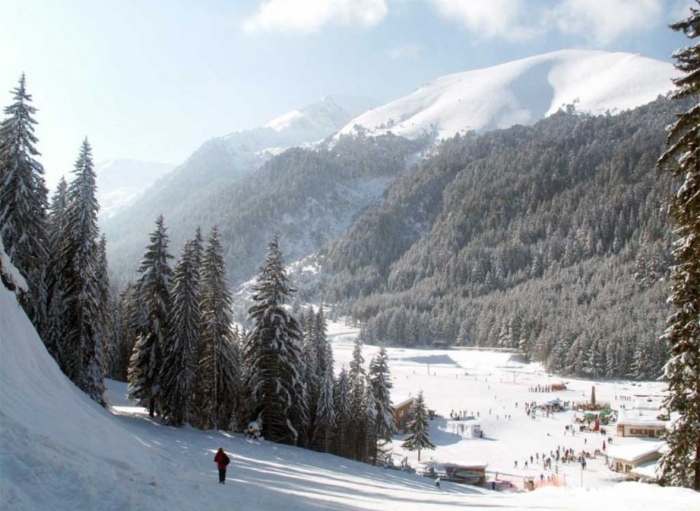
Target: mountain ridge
521, 92
201, 191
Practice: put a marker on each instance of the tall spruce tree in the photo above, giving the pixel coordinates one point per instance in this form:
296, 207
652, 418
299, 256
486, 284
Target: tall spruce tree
325, 406
154, 302
370, 421
311, 367
681, 464
219, 366
180, 355
325, 416
343, 414
418, 437
272, 355
54, 272
80, 347
24, 202
106, 306
127, 308
357, 379
380, 379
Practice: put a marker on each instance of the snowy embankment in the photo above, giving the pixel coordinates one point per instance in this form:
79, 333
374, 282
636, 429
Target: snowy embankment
61, 451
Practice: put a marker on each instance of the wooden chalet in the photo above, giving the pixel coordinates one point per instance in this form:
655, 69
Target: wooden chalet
403, 415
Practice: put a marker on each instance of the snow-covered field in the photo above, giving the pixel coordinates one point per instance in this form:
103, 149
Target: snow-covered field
60, 451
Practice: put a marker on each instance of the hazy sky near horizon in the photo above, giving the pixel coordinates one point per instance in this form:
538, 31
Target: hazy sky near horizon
152, 80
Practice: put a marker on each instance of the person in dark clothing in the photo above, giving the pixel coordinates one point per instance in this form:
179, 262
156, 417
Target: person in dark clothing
222, 460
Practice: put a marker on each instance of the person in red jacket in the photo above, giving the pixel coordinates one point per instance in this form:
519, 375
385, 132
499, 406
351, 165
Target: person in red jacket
222, 460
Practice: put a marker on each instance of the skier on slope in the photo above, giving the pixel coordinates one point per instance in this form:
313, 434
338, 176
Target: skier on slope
222, 460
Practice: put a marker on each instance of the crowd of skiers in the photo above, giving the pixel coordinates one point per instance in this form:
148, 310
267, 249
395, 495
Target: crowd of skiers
560, 455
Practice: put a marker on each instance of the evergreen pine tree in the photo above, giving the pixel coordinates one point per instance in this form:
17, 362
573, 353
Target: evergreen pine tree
54, 272
154, 303
80, 347
127, 308
106, 305
272, 355
343, 414
324, 409
219, 348
180, 355
505, 339
357, 434
369, 454
312, 371
418, 437
24, 202
681, 464
325, 405
380, 379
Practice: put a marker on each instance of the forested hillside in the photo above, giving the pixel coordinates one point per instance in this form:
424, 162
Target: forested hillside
309, 197
553, 239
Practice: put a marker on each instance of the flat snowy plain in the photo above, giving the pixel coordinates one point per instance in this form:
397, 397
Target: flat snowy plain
59, 451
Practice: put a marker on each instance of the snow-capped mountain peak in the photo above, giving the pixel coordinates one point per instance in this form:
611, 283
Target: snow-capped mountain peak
522, 92
300, 127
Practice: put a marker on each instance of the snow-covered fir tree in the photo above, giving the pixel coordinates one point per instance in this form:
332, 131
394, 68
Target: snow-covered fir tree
324, 352
180, 354
357, 379
272, 355
325, 406
219, 364
54, 271
24, 202
380, 379
341, 394
77, 293
106, 306
325, 417
127, 308
370, 421
311, 368
154, 302
681, 464
418, 437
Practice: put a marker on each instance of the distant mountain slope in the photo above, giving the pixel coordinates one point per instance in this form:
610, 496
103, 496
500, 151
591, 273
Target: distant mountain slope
217, 164
552, 239
209, 189
297, 128
121, 180
522, 92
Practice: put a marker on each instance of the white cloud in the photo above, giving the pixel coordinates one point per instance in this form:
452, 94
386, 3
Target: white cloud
308, 16
604, 21
406, 51
486, 18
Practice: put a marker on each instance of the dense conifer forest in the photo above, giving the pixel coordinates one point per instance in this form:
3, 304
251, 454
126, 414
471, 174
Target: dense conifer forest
551, 239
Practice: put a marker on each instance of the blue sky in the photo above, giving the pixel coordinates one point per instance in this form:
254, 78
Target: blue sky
152, 80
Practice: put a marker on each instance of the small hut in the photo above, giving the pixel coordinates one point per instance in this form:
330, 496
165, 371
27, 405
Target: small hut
625, 458
402, 414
